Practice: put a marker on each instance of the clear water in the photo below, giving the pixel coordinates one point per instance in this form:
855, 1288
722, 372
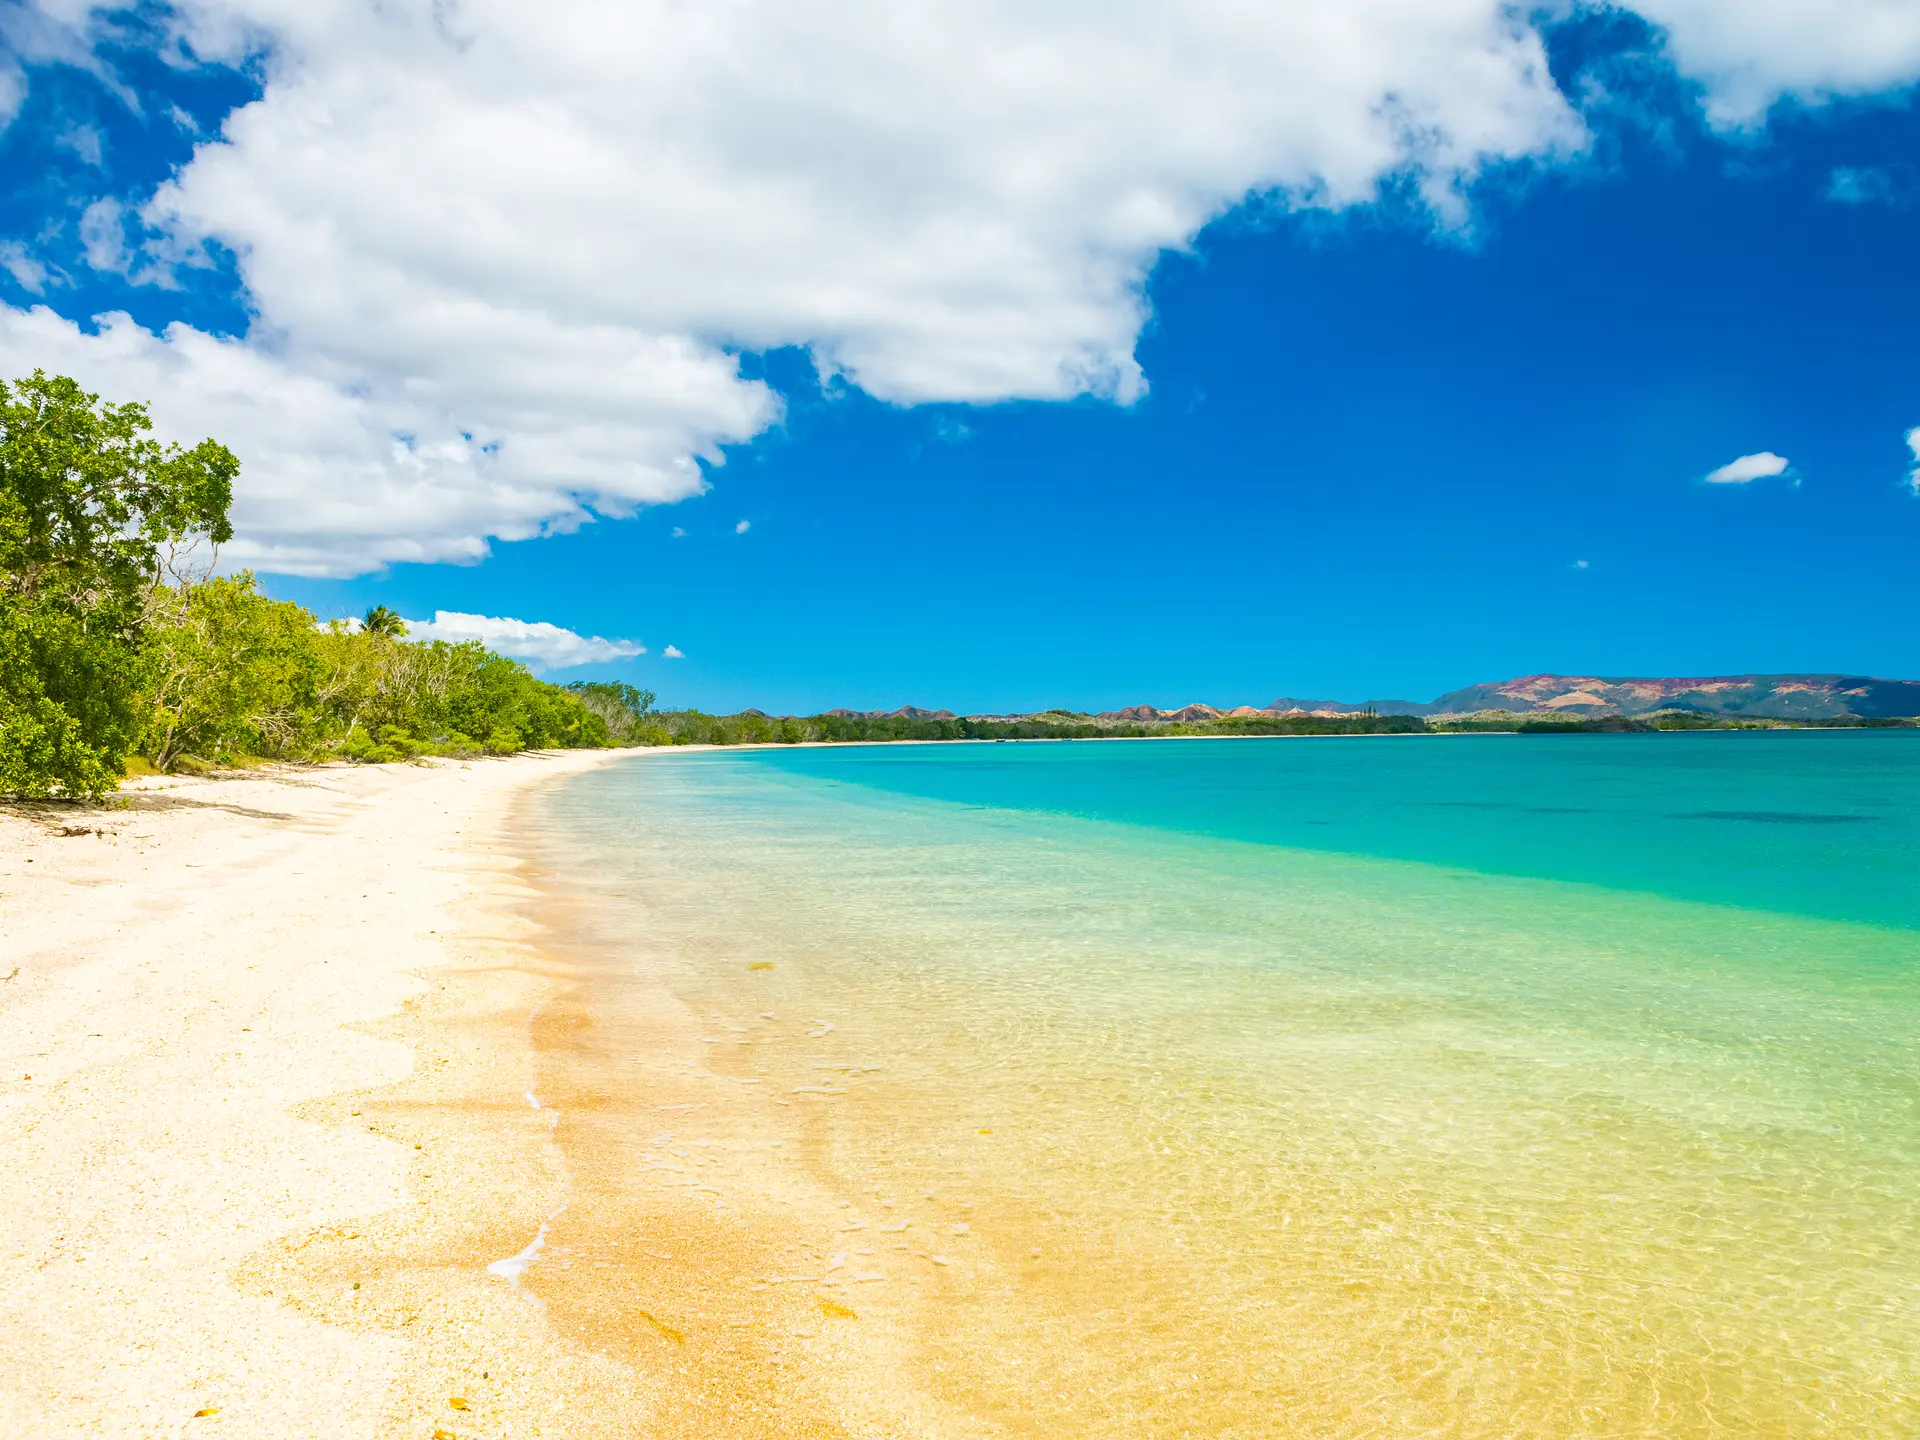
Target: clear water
1462, 1086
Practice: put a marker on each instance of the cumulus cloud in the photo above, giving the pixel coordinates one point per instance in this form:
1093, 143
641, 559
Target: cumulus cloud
1747, 468
1750, 53
673, 652
743, 527
540, 645
1913, 475
340, 477
502, 259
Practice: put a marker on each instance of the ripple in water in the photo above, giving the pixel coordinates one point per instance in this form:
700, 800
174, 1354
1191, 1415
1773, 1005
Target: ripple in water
902, 1113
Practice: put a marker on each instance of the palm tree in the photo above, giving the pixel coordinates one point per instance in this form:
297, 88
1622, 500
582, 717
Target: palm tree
382, 621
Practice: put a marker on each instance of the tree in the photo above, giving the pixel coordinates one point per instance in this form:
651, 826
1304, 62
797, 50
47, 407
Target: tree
624, 709
229, 672
89, 504
384, 622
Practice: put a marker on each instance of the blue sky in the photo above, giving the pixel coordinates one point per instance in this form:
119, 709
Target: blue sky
1432, 422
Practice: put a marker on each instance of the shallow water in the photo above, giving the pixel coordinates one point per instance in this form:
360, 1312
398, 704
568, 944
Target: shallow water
1399, 1087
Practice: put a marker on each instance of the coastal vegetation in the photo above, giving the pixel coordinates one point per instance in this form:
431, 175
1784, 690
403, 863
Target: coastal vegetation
90, 508
120, 645
692, 727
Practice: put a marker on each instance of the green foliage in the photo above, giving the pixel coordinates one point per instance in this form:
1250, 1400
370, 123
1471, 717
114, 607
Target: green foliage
382, 621
228, 672
1604, 725
1317, 725
106, 654
90, 507
625, 710
692, 727
239, 673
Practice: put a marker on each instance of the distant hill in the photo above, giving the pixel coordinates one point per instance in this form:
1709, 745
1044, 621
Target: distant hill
905, 712
1578, 697
1287, 705
1775, 697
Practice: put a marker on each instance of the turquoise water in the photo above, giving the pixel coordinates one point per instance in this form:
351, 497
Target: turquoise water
1435, 1086
1812, 823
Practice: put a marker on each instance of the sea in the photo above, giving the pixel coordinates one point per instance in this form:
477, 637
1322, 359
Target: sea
1396, 1086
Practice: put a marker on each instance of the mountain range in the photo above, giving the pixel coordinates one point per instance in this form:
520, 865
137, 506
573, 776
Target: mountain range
1775, 697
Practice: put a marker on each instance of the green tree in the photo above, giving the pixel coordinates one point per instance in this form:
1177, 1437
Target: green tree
382, 621
625, 710
90, 507
229, 672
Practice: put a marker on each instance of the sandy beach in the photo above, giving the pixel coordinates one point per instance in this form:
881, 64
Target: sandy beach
249, 1025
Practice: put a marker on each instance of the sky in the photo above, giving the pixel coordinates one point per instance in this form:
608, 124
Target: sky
1006, 355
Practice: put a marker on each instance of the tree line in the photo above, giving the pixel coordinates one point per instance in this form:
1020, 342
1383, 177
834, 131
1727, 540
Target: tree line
692, 727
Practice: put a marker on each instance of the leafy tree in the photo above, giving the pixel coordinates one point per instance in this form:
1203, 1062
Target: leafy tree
624, 709
90, 508
229, 672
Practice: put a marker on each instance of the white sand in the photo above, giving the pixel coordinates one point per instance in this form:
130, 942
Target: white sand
239, 1064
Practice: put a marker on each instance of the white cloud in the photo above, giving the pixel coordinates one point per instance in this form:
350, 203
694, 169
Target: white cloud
1582, 565
542, 646
27, 272
84, 141
743, 527
502, 257
1913, 475
104, 237
329, 487
1748, 467
673, 652
13, 89
47, 32
1751, 53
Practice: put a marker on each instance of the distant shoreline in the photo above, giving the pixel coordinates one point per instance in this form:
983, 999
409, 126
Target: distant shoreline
279, 769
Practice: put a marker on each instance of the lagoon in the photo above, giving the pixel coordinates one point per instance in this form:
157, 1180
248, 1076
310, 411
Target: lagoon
1394, 1086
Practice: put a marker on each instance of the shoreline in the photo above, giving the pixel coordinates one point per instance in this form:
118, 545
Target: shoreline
250, 1025
303, 1069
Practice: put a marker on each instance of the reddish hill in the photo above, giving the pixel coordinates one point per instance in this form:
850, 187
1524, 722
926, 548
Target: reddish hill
1779, 697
